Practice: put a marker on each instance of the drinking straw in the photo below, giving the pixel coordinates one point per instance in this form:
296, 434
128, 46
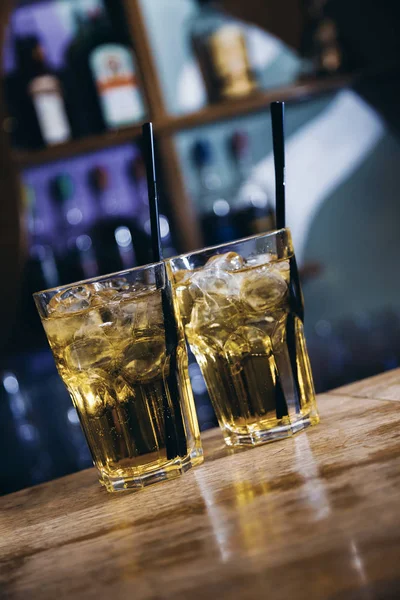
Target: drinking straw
150, 162
295, 295
278, 141
174, 428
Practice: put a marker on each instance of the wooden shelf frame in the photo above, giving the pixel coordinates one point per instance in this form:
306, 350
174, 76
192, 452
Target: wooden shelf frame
166, 126
33, 158
184, 222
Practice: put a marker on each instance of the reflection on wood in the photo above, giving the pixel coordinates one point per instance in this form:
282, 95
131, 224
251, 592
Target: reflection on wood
383, 387
315, 516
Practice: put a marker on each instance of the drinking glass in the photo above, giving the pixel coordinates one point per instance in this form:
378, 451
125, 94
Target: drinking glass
242, 310
122, 356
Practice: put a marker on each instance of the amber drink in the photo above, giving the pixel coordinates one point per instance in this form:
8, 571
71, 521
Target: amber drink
130, 386
242, 315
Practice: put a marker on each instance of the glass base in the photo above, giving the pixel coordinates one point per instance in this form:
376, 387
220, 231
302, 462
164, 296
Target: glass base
170, 470
197, 455
256, 437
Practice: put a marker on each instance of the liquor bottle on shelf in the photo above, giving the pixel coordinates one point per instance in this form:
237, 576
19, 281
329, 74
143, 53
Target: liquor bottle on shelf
137, 174
252, 211
76, 259
219, 44
118, 240
21, 123
329, 53
40, 272
45, 95
321, 41
108, 94
43, 269
216, 214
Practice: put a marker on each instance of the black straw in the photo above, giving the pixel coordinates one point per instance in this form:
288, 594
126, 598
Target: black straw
278, 140
295, 295
149, 159
174, 428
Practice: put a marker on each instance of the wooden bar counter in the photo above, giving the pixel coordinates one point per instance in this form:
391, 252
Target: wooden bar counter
313, 517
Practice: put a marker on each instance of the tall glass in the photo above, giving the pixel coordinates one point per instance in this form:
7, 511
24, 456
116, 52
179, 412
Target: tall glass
126, 369
241, 307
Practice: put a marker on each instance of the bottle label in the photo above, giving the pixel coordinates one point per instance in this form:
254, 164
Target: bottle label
53, 123
228, 53
114, 73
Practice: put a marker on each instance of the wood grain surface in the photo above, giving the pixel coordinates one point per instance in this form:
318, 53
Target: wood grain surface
313, 517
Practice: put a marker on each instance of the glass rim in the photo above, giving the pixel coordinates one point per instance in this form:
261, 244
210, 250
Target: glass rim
225, 244
67, 286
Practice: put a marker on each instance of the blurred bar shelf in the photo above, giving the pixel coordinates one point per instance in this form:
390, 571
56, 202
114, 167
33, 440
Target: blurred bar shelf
31, 158
257, 102
168, 125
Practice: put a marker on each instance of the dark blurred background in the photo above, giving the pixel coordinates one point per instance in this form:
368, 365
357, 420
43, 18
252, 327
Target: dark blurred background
80, 76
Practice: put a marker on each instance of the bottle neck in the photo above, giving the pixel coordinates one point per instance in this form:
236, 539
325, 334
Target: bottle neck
81, 25
205, 4
39, 69
37, 62
244, 165
242, 155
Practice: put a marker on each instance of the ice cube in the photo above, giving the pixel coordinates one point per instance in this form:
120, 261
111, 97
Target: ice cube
246, 340
260, 259
93, 392
119, 288
182, 277
201, 315
113, 330
70, 301
117, 317
135, 292
260, 342
263, 289
283, 267
89, 324
144, 357
88, 352
123, 390
129, 312
115, 284
216, 319
218, 283
60, 331
218, 276
145, 311
230, 261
